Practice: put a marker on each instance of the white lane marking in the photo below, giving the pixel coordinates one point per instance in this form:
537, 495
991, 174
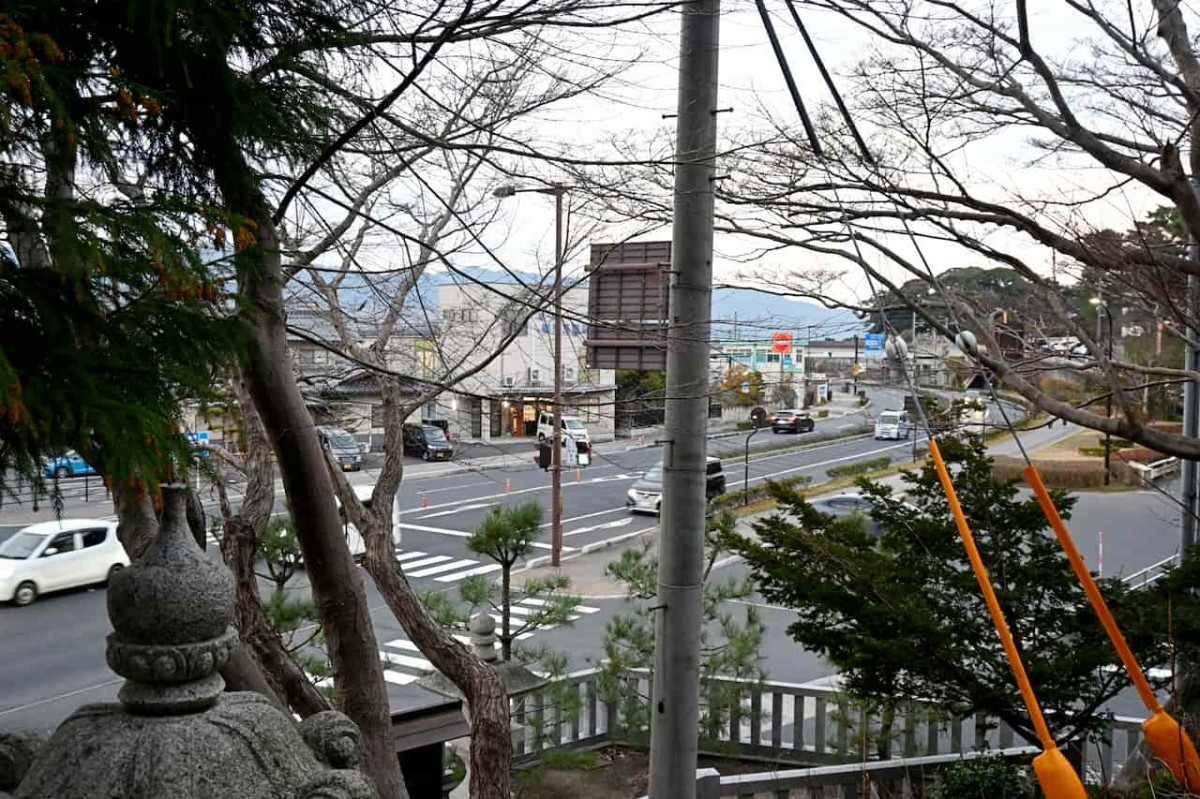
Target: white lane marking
452, 511
440, 530
587, 516
515, 492
406, 660
460, 534
398, 677
606, 526
402, 556
542, 602
456, 488
445, 567
417, 564
450, 578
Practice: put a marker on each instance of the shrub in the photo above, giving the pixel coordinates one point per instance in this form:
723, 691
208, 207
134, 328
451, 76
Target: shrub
986, 777
747, 425
1055, 474
821, 414
1094, 452
862, 467
733, 499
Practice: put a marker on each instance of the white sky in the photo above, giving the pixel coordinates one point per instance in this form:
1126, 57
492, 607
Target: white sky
632, 108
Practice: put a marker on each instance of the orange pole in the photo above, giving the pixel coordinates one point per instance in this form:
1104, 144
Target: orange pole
1054, 773
993, 605
1172, 745
507, 485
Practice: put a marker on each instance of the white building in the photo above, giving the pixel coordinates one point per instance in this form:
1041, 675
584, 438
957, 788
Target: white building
504, 398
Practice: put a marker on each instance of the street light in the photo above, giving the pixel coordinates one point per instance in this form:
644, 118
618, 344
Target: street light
1100, 303
556, 505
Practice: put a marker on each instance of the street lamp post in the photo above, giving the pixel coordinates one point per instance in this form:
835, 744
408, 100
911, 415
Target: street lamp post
1102, 305
556, 503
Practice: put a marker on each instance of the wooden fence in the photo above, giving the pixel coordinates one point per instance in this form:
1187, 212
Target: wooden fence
785, 723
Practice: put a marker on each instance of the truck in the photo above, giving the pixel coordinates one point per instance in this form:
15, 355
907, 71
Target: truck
892, 425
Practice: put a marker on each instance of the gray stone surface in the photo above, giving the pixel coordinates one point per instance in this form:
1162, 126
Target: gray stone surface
174, 594
175, 734
240, 747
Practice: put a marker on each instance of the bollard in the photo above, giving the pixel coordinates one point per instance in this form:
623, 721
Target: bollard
424, 501
579, 475
508, 485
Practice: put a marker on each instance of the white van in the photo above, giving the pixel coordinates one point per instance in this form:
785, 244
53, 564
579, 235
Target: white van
891, 426
572, 428
53, 556
354, 539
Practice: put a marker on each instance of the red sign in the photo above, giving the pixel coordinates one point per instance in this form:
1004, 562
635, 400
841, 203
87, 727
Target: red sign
781, 342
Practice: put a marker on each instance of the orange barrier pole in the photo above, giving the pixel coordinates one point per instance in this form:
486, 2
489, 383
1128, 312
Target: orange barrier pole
1170, 743
507, 485
424, 502
1054, 773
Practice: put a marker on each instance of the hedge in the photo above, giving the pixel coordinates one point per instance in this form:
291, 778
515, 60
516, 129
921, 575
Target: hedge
756, 493
1066, 474
862, 467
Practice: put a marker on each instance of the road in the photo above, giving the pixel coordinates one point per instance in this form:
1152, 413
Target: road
54, 650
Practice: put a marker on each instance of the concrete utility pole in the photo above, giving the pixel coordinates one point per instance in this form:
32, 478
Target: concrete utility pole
1191, 396
556, 503
675, 711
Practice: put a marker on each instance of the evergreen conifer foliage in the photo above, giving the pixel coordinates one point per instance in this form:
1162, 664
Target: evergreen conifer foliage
901, 615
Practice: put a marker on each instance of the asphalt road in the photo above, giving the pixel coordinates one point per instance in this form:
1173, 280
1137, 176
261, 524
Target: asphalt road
53, 651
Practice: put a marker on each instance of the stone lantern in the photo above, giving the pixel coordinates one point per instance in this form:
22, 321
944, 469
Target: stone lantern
175, 732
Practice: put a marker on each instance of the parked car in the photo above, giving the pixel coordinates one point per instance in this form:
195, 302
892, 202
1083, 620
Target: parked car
645, 496
53, 556
573, 428
792, 422
343, 446
892, 425
68, 465
427, 441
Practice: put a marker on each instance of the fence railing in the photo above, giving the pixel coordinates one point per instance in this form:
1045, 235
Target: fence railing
1152, 573
21, 495
787, 723
1151, 472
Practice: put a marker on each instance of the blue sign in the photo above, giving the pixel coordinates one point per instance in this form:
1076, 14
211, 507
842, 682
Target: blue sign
198, 441
787, 360
873, 342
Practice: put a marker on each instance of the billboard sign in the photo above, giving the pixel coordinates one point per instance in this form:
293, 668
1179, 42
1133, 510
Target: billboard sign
873, 342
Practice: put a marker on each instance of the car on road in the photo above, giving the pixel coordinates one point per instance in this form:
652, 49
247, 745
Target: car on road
645, 496
842, 505
54, 556
790, 421
343, 446
572, 428
892, 425
67, 465
427, 441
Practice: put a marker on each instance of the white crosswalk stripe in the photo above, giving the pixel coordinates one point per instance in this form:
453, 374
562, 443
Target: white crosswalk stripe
403, 663
442, 568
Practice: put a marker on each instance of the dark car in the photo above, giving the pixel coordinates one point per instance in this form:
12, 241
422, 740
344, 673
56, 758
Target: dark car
645, 496
792, 422
427, 441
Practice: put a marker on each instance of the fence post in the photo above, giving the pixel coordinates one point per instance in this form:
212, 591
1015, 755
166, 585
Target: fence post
708, 783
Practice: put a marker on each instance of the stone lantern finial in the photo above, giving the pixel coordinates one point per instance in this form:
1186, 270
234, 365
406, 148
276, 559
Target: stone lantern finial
172, 614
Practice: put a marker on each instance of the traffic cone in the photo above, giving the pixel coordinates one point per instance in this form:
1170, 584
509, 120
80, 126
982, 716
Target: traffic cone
424, 502
579, 475
508, 485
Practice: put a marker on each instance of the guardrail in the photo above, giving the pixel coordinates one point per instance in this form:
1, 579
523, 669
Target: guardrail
780, 722
21, 494
1152, 573
901, 777
1152, 472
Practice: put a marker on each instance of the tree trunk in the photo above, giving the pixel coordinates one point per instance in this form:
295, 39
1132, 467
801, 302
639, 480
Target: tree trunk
505, 612
336, 583
481, 686
484, 691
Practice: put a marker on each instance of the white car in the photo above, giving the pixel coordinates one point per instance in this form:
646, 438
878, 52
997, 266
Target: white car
354, 538
53, 556
572, 428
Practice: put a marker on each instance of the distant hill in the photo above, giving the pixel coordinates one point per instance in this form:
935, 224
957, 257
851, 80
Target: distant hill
737, 312
743, 313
